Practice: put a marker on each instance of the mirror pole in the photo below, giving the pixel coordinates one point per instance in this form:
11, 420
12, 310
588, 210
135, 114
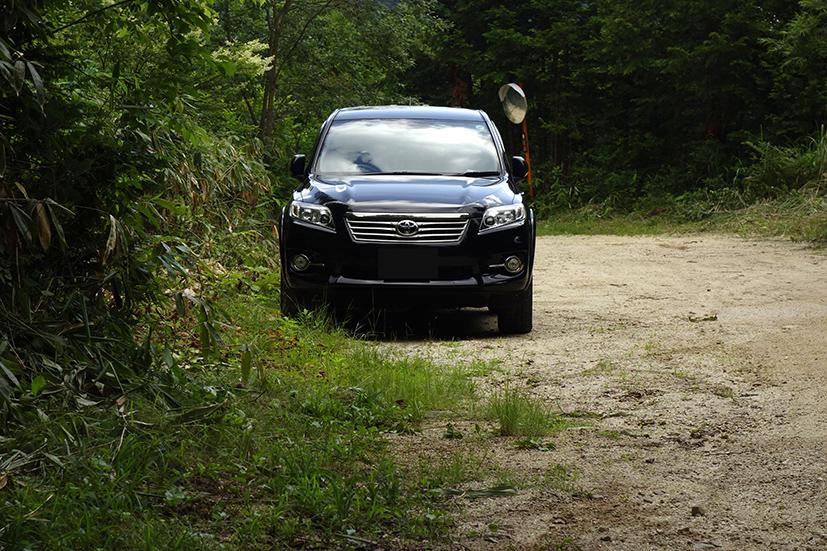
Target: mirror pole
527, 156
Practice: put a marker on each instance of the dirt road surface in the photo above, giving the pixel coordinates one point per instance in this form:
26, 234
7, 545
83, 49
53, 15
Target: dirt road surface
701, 364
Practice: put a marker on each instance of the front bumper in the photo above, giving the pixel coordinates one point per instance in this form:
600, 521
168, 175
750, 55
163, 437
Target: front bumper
470, 272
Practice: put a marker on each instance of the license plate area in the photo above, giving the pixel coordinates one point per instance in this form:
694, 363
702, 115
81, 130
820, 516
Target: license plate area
408, 264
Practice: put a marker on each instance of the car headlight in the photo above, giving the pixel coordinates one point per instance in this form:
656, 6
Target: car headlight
497, 217
309, 213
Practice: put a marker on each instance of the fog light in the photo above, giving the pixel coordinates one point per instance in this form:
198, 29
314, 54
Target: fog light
513, 264
300, 262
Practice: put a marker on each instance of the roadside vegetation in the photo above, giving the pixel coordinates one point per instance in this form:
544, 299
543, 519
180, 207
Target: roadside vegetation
800, 215
151, 394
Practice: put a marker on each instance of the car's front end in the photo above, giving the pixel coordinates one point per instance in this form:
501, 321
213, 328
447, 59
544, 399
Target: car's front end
375, 237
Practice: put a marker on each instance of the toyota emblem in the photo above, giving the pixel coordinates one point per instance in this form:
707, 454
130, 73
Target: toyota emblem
407, 228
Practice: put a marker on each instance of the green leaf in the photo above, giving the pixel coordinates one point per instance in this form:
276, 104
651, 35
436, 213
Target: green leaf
38, 384
199, 413
23, 222
180, 305
168, 359
9, 375
19, 75
213, 333
246, 363
229, 68
38, 84
50, 204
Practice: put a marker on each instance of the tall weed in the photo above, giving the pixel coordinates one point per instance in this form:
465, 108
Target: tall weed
781, 170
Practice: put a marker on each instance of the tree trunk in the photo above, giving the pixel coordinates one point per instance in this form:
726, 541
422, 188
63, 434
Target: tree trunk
276, 17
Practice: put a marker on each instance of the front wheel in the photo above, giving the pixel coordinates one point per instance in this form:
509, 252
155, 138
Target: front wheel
291, 300
517, 318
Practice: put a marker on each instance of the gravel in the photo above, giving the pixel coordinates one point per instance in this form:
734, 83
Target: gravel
699, 362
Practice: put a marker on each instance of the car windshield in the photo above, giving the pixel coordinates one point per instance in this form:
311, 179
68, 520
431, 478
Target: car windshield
408, 146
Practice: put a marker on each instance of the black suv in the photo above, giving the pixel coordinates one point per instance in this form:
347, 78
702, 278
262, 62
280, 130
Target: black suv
409, 207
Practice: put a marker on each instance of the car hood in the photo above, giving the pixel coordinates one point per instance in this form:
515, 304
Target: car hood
409, 194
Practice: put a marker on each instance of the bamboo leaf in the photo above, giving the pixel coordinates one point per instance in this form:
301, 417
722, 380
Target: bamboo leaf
195, 300
246, 363
169, 268
61, 237
22, 221
86, 325
6, 71
22, 190
5, 390
19, 75
180, 305
44, 231
213, 332
9, 375
112, 240
168, 359
204, 336
38, 84
177, 265
53, 203
199, 413
38, 384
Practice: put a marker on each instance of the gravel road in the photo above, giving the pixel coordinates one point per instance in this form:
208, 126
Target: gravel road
700, 362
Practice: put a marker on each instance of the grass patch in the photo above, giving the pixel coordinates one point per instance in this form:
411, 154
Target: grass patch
272, 440
520, 414
586, 222
601, 368
561, 477
800, 215
451, 470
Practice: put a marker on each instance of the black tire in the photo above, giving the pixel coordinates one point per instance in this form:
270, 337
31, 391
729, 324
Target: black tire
291, 300
517, 318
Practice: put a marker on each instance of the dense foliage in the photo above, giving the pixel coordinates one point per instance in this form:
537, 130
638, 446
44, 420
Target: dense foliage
632, 101
138, 139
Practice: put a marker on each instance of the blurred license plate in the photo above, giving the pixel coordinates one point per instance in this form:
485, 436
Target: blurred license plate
408, 264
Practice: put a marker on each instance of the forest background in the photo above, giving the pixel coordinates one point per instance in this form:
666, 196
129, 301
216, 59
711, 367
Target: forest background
144, 145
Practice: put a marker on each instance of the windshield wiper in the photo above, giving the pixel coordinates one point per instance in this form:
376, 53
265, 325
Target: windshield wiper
411, 173
479, 173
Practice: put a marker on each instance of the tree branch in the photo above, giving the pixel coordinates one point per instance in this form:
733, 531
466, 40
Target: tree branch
92, 14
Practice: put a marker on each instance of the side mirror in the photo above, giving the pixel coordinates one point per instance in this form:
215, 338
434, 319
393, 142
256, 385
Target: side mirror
519, 169
297, 166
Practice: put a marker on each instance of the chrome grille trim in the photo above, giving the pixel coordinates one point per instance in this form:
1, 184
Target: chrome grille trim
381, 228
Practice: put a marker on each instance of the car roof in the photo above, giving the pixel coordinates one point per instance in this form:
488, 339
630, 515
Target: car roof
408, 112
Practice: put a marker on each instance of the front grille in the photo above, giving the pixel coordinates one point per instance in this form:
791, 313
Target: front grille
446, 273
385, 228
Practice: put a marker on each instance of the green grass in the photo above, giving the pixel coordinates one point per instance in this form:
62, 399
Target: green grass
580, 223
449, 470
561, 477
520, 414
800, 215
212, 458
